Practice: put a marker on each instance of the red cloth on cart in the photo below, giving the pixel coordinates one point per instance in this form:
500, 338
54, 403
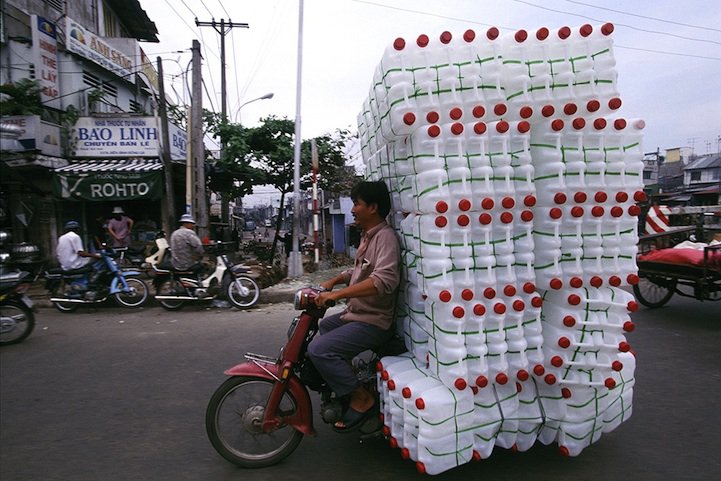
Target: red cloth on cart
686, 257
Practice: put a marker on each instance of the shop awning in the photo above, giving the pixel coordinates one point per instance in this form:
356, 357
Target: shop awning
109, 180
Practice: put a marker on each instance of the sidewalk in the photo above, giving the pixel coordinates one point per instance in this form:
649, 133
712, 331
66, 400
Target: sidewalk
280, 292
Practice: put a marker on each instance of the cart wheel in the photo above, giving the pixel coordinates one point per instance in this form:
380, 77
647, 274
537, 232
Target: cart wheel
654, 291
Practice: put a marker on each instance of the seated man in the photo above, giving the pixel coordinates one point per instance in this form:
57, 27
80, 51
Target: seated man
366, 323
70, 251
186, 247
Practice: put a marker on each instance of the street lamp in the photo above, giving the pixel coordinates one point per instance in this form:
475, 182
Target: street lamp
264, 97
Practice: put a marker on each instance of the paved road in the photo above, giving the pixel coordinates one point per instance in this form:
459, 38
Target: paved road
112, 394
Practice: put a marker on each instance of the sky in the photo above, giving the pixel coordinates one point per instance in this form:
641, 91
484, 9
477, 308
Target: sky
668, 55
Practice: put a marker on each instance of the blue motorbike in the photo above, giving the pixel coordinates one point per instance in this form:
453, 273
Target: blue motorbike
95, 283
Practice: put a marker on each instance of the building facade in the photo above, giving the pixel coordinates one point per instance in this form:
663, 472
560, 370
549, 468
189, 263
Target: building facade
93, 142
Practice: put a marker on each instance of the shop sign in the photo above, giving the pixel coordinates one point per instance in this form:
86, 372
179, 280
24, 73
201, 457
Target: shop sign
36, 134
124, 137
94, 48
108, 186
45, 56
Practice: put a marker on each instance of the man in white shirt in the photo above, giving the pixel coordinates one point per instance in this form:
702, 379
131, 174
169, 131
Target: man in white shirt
70, 251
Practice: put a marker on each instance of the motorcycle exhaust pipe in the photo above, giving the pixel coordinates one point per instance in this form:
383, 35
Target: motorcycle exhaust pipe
75, 301
176, 298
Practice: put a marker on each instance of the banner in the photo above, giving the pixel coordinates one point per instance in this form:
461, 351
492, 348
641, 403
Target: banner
45, 57
125, 137
94, 48
108, 185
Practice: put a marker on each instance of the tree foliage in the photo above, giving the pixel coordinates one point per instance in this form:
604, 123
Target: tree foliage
21, 98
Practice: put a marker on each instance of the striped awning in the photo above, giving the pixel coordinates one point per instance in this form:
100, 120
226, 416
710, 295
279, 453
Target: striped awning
94, 166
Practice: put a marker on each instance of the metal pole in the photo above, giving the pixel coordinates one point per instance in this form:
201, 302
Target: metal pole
295, 266
314, 159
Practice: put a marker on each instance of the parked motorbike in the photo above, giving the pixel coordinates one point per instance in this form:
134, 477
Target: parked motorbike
259, 415
174, 288
17, 319
95, 283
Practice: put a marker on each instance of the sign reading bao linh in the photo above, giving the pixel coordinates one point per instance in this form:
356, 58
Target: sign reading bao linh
124, 137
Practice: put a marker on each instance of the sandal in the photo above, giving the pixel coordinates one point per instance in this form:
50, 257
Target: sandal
353, 419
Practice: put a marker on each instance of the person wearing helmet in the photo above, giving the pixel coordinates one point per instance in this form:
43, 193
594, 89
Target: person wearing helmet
185, 246
70, 251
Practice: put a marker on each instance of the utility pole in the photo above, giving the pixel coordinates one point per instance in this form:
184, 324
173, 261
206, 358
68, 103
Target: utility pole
200, 200
168, 220
222, 28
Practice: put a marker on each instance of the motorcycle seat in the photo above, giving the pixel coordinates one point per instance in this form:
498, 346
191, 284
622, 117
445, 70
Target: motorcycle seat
71, 272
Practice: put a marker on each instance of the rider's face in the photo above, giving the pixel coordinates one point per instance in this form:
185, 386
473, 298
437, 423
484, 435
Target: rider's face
363, 213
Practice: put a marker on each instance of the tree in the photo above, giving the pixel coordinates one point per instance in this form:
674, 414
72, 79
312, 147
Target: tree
271, 146
21, 98
232, 175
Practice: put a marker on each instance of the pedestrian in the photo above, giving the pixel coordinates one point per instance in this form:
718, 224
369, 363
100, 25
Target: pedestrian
366, 323
120, 227
186, 247
70, 251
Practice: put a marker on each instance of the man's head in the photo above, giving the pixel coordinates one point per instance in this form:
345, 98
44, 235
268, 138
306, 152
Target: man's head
371, 203
71, 225
187, 221
118, 213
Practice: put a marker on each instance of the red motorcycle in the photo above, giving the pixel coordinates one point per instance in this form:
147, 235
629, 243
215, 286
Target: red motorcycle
260, 414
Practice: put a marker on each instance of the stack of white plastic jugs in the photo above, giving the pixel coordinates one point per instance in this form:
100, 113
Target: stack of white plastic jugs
513, 191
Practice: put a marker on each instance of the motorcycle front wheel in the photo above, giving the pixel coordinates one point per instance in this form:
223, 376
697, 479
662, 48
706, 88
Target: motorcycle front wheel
17, 321
137, 295
243, 292
170, 287
234, 418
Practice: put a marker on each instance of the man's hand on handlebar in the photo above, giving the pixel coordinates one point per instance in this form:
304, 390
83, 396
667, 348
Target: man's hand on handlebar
325, 298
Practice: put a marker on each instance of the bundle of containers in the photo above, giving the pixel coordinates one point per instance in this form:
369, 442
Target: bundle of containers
513, 184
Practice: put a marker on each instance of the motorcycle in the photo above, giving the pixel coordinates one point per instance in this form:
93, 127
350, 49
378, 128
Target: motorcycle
95, 283
174, 288
259, 415
17, 318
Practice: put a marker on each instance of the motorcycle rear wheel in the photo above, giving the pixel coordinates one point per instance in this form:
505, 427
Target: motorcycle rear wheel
16, 322
170, 287
136, 297
233, 422
66, 306
237, 297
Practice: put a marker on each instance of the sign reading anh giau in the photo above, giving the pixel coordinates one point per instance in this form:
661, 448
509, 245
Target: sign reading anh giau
87, 44
124, 137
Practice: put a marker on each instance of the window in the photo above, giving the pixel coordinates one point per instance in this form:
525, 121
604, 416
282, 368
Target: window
136, 107
56, 4
108, 101
110, 23
696, 176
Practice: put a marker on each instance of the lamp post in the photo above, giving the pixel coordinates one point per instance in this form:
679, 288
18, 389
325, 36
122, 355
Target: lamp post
264, 97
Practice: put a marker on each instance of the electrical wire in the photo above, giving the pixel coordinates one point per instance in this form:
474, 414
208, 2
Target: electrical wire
656, 19
530, 4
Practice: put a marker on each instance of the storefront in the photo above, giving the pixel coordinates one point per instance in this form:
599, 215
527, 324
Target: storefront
88, 192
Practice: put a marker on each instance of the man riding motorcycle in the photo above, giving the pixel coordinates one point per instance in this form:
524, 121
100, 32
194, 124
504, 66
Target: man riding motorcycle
366, 323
